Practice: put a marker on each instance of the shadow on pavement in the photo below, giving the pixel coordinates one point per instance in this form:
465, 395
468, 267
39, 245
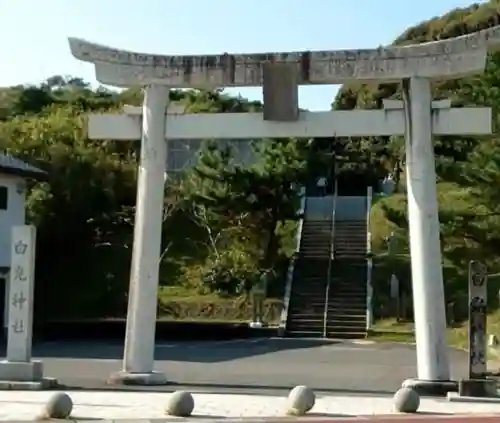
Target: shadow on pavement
201, 352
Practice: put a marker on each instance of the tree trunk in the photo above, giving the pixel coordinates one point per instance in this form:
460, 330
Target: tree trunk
272, 243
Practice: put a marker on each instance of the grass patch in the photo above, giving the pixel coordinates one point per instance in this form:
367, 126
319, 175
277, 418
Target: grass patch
177, 303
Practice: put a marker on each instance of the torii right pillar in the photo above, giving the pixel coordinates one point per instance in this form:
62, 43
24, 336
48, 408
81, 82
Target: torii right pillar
433, 375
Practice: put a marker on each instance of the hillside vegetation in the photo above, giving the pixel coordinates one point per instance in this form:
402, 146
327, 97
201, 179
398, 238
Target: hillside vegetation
226, 223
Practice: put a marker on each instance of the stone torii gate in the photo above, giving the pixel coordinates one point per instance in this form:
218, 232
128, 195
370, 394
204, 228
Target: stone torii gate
280, 74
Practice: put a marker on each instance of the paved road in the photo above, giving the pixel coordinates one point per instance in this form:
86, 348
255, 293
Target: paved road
264, 366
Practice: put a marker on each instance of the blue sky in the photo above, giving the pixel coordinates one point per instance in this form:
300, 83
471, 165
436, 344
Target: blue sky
34, 32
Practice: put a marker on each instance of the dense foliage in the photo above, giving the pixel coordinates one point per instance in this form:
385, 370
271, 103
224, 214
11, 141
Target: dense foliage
224, 223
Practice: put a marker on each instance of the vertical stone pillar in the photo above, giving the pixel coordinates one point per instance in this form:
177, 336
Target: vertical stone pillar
425, 245
138, 358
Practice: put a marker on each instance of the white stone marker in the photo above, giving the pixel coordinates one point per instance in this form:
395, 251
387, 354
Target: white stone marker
21, 293
19, 367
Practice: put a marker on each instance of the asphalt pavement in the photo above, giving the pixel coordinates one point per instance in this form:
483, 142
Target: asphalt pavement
261, 366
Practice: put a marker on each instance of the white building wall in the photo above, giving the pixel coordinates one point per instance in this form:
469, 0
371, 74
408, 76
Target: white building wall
14, 215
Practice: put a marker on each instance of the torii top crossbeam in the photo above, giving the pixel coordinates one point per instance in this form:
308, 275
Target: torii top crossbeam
449, 58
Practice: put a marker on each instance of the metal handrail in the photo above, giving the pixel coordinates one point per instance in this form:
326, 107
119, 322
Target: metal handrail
369, 261
331, 257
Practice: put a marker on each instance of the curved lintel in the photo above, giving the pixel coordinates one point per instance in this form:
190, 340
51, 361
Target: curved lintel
449, 58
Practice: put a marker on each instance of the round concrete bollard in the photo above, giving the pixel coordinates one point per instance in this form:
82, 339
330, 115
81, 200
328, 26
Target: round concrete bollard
300, 400
406, 400
180, 404
59, 406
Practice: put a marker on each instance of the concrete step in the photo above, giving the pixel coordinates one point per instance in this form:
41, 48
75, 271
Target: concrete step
315, 253
342, 298
315, 248
334, 317
304, 311
307, 313
316, 223
311, 319
358, 248
302, 277
347, 293
359, 290
310, 295
355, 325
317, 329
350, 224
337, 301
302, 302
310, 292
313, 290
312, 280
349, 247
348, 286
295, 323
357, 244
322, 249
347, 312
305, 324
308, 298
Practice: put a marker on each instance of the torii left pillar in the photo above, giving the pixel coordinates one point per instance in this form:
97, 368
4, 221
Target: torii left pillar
138, 359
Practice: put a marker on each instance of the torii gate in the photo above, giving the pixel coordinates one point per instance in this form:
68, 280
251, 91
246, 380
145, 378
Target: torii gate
417, 117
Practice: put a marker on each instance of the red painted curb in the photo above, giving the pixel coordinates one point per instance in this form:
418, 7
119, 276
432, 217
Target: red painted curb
406, 418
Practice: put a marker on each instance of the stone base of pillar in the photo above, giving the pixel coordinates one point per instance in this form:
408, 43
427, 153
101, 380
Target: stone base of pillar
477, 388
144, 379
28, 375
431, 388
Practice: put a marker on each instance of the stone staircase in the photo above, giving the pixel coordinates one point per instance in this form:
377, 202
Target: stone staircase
350, 239
316, 239
307, 300
346, 316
